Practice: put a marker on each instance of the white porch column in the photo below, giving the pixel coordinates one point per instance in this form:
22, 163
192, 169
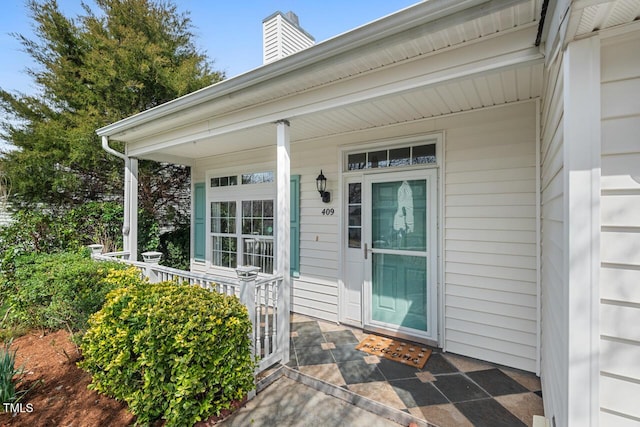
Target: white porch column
283, 243
133, 210
582, 151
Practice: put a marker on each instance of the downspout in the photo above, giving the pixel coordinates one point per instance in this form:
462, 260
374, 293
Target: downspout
126, 226
543, 15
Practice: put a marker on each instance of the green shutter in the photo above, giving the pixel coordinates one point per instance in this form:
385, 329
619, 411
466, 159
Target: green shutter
295, 226
199, 229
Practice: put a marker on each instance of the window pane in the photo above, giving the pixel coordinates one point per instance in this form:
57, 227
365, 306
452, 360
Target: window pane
354, 215
356, 161
257, 208
223, 217
268, 227
224, 181
259, 252
424, 154
268, 208
377, 159
354, 237
399, 215
224, 251
400, 157
256, 227
355, 193
257, 178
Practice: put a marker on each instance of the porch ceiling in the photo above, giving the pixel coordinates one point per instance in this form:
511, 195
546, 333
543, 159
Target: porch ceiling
485, 90
594, 15
421, 62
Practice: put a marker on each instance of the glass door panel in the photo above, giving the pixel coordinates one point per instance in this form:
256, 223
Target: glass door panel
398, 215
399, 279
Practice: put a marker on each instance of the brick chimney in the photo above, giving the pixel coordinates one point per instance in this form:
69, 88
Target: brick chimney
282, 36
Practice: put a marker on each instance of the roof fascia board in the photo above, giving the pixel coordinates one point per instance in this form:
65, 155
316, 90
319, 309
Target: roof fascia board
413, 16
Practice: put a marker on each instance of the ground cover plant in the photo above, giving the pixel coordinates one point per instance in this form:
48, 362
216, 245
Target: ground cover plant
174, 352
11, 377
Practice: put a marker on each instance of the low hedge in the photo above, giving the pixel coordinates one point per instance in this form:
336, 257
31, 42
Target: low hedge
174, 352
56, 291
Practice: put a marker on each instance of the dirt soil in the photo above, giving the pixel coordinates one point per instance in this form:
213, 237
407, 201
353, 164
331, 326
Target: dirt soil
60, 397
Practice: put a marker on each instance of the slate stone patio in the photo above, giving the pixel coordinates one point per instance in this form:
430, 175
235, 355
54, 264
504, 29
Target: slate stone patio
450, 390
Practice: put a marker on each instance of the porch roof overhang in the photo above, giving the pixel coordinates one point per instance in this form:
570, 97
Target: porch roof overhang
435, 58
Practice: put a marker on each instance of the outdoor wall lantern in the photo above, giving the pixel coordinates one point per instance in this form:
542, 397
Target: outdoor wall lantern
321, 185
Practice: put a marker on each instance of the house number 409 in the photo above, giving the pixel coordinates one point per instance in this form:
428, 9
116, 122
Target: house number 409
329, 211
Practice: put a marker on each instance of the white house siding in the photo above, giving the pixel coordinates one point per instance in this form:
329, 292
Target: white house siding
554, 329
490, 235
620, 238
315, 292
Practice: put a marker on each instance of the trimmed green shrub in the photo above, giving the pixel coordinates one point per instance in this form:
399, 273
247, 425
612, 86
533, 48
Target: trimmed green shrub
174, 352
55, 291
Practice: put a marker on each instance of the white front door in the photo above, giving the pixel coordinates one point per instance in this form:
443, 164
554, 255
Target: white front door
399, 235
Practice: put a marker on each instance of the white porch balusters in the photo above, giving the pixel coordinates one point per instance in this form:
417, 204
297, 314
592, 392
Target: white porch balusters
283, 244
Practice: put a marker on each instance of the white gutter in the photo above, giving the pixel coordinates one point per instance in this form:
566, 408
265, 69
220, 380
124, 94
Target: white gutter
422, 13
126, 226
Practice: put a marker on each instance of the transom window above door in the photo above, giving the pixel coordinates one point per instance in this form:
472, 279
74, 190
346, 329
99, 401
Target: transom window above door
419, 154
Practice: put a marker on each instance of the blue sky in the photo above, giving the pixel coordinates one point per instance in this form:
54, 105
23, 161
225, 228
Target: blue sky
229, 31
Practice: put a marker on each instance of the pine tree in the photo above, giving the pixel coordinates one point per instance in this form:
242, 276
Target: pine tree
92, 70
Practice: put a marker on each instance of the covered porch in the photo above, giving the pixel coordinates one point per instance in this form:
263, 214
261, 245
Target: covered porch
450, 390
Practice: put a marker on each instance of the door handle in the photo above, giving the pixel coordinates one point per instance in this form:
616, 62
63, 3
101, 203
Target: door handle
366, 251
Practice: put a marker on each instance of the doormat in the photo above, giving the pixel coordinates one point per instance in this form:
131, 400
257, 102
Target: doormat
398, 351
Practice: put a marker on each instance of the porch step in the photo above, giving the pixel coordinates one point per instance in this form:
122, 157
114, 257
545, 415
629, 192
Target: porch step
343, 394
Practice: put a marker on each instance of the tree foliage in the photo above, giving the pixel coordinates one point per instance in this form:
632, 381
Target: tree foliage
106, 64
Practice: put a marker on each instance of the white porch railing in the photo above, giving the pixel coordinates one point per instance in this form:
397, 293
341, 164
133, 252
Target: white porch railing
259, 293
